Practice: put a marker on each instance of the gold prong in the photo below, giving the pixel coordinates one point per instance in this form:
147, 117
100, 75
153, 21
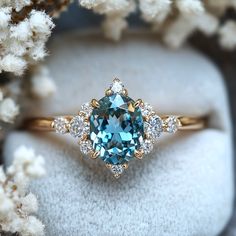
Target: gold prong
108, 92
53, 124
125, 92
125, 166
84, 138
116, 80
95, 154
146, 118
138, 103
117, 176
139, 154
95, 103
108, 165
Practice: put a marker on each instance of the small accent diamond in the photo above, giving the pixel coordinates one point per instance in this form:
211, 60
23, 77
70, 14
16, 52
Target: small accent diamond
86, 108
153, 127
146, 109
147, 146
172, 124
86, 146
78, 127
117, 86
117, 169
60, 124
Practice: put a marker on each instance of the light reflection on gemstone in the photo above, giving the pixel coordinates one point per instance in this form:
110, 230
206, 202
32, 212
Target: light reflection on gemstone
116, 129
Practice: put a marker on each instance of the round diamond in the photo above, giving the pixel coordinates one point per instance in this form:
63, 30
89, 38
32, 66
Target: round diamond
146, 109
117, 169
147, 146
117, 86
153, 127
86, 146
172, 124
78, 127
86, 108
116, 129
60, 124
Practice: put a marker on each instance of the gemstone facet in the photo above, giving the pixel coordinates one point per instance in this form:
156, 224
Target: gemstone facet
116, 129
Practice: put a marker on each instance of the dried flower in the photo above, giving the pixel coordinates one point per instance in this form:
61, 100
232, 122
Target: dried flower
42, 83
16, 206
23, 34
175, 20
8, 110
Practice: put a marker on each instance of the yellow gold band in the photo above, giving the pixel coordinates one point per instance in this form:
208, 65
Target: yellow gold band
46, 123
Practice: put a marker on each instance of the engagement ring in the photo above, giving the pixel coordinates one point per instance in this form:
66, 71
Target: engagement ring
116, 128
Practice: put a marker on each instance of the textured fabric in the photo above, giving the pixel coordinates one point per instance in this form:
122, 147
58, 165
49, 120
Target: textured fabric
184, 188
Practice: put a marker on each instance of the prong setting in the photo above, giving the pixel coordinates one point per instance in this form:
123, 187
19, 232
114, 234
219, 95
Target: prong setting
95, 154
139, 154
95, 103
138, 103
140, 127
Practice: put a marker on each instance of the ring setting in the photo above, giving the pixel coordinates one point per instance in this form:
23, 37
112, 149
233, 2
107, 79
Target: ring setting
116, 128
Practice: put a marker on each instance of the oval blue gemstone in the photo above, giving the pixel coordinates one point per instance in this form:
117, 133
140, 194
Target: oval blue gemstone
116, 129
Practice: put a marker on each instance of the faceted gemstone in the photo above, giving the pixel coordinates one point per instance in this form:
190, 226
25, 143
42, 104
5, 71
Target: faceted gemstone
116, 129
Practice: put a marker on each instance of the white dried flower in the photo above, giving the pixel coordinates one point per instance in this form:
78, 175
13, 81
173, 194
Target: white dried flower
5, 17
176, 20
227, 35
22, 42
8, 110
113, 27
42, 83
32, 227
194, 7
29, 204
21, 31
16, 206
27, 162
13, 63
155, 10
41, 23
115, 12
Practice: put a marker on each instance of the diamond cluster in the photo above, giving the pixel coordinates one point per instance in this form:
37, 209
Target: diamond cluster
116, 128
78, 127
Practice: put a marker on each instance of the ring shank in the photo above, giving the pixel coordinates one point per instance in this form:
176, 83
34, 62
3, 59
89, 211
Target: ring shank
46, 123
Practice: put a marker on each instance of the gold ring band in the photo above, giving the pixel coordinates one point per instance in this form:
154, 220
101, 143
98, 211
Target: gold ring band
189, 123
116, 128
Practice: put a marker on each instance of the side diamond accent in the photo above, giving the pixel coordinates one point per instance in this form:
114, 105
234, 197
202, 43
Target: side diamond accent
116, 86
146, 109
147, 146
117, 170
78, 127
153, 127
86, 146
172, 124
87, 109
60, 124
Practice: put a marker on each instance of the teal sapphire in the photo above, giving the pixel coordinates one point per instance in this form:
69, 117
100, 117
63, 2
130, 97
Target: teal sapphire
116, 128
